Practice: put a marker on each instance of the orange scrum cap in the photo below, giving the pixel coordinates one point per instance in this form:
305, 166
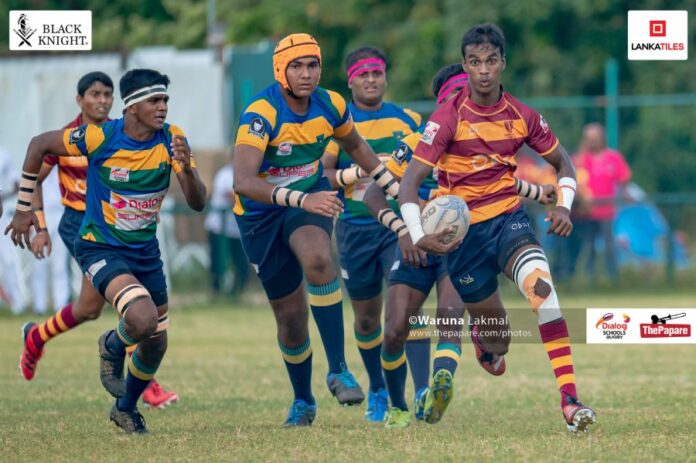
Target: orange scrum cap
289, 49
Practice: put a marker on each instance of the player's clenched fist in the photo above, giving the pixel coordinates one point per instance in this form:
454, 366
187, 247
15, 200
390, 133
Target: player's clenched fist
560, 221
181, 150
323, 203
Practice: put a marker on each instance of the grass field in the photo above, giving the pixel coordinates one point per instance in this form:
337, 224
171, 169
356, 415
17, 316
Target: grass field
224, 363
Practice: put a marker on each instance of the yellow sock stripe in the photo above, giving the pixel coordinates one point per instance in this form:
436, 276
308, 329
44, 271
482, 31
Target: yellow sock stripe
565, 379
326, 300
447, 353
49, 326
131, 349
365, 345
61, 323
138, 373
556, 344
42, 332
562, 361
418, 333
299, 358
393, 365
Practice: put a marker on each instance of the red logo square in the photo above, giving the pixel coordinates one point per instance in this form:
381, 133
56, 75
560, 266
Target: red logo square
658, 28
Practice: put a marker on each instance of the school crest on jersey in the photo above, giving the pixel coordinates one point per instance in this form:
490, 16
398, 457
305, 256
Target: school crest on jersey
257, 127
77, 135
543, 124
431, 129
402, 153
284, 149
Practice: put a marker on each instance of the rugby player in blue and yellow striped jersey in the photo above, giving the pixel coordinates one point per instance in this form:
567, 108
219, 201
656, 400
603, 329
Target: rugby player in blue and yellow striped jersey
284, 208
367, 249
129, 167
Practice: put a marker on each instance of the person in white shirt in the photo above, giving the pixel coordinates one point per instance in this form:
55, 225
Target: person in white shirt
224, 236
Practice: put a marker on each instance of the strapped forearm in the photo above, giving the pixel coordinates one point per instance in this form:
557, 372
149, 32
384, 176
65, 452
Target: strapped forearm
287, 197
385, 180
349, 176
389, 219
528, 190
27, 185
42, 218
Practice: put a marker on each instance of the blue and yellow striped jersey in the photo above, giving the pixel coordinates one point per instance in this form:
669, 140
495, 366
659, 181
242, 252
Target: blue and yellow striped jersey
292, 144
382, 129
127, 180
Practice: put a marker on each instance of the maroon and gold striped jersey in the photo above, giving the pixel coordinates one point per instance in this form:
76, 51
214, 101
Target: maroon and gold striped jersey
474, 147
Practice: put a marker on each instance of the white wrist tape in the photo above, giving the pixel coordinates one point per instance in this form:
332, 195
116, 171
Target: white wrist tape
27, 184
349, 176
411, 214
287, 197
566, 192
386, 181
389, 219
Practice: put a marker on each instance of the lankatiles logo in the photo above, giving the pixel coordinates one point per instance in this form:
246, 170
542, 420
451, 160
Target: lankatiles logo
658, 35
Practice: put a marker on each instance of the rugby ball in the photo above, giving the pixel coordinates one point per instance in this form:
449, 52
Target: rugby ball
446, 211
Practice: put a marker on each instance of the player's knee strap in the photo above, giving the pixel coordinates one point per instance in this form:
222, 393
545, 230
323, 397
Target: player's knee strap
162, 324
531, 274
128, 296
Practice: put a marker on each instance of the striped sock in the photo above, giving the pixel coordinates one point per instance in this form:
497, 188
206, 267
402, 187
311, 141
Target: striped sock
298, 361
118, 341
326, 302
447, 357
61, 322
137, 380
556, 341
418, 354
370, 347
394, 366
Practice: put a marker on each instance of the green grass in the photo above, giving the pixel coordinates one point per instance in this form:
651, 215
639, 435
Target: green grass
225, 365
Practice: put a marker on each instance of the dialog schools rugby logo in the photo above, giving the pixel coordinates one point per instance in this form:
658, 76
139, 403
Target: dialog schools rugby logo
658, 328
613, 329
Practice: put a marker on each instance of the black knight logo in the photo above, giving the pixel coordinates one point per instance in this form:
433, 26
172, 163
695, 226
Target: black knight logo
24, 32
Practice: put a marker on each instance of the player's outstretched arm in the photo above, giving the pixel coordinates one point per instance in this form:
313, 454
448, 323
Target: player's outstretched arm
191, 184
559, 217
40, 146
246, 164
358, 149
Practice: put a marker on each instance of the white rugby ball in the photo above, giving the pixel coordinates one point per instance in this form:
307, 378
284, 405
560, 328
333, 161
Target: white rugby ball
446, 211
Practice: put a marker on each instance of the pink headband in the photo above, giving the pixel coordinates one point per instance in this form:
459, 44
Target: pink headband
450, 84
366, 65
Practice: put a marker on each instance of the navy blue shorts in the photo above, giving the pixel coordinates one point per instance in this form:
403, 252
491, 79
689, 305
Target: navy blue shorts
102, 263
474, 266
69, 228
367, 254
418, 278
266, 241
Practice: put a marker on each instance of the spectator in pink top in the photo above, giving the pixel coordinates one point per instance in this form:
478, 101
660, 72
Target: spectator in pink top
607, 175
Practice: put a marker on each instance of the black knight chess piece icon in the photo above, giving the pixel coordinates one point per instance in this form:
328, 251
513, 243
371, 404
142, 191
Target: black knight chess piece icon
24, 32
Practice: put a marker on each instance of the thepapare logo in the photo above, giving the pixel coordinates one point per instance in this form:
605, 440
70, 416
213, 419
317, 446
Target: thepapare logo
613, 329
657, 35
50, 30
658, 328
